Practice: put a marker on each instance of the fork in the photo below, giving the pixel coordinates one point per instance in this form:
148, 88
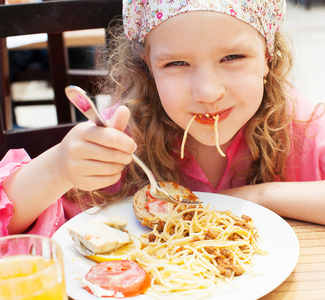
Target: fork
82, 101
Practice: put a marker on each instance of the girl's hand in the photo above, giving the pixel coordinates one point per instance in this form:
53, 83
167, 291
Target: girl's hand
93, 157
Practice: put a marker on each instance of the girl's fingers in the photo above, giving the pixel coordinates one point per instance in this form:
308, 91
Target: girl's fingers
96, 152
90, 174
93, 157
110, 138
94, 168
108, 155
91, 183
120, 119
103, 136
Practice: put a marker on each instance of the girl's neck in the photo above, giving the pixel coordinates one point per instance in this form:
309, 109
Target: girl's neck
209, 159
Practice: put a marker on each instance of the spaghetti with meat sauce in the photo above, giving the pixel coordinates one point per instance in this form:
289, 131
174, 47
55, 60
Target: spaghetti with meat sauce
197, 249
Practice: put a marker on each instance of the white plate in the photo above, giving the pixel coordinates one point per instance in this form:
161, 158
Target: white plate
277, 238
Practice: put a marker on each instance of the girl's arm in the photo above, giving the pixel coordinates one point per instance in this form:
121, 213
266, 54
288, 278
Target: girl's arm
32, 189
89, 158
297, 200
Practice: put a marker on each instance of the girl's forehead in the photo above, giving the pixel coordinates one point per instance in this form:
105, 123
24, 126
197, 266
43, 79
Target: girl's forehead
196, 24
141, 16
206, 30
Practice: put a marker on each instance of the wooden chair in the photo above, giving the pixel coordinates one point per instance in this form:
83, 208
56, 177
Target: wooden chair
53, 18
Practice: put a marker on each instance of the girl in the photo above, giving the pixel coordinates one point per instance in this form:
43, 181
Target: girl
180, 62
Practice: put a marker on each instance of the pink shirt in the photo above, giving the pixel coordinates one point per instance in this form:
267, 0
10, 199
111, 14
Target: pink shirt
305, 163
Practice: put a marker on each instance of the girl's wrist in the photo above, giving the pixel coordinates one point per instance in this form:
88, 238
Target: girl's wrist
52, 169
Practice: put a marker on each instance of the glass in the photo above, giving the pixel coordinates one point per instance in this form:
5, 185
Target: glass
31, 267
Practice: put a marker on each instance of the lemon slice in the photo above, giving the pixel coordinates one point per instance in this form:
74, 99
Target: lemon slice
118, 254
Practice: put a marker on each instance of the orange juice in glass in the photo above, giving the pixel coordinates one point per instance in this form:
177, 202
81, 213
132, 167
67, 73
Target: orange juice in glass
31, 267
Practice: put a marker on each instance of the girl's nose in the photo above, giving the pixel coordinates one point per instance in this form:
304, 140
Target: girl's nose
207, 85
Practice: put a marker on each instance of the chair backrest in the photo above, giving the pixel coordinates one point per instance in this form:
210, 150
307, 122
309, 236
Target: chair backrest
53, 18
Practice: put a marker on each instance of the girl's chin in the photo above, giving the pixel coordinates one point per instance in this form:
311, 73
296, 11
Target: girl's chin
206, 141
209, 140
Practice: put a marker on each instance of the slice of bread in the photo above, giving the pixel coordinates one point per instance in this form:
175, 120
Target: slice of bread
146, 218
150, 218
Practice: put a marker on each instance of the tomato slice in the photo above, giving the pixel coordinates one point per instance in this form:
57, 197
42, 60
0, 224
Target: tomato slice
124, 278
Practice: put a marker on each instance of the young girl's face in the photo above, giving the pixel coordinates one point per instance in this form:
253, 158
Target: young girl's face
208, 63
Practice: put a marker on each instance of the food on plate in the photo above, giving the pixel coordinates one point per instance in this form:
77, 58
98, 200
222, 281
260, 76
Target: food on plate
123, 278
120, 253
100, 235
193, 248
151, 211
206, 119
190, 250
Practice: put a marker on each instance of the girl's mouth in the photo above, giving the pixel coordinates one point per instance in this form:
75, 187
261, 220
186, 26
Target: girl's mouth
209, 119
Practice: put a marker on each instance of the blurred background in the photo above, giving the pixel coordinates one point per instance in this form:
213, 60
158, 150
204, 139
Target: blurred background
305, 24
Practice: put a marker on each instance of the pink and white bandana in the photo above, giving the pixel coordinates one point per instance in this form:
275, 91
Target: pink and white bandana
141, 16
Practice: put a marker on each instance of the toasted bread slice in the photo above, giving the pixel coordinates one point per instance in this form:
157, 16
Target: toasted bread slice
151, 211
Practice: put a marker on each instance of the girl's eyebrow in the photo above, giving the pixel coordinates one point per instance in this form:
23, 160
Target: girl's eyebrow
166, 57
163, 57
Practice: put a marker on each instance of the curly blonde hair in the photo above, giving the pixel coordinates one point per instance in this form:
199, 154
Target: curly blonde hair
267, 133
131, 83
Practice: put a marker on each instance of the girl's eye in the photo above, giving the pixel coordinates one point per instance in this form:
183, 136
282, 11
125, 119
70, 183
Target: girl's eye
176, 63
232, 57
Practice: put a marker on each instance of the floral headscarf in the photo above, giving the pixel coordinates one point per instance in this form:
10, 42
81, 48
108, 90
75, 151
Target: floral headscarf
141, 16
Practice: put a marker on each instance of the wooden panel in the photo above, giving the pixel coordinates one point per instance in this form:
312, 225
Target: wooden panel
92, 17
36, 141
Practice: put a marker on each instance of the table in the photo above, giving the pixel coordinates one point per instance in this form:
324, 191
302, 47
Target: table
307, 281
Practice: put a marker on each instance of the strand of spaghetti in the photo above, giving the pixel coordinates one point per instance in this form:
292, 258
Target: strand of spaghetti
219, 244
243, 259
217, 135
193, 260
197, 285
179, 272
185, 136
241, 263
205, 262
182, 273
256, 248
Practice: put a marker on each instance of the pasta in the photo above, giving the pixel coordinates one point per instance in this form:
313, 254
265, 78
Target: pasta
185, 135
217, 135
197, 249
216, 118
